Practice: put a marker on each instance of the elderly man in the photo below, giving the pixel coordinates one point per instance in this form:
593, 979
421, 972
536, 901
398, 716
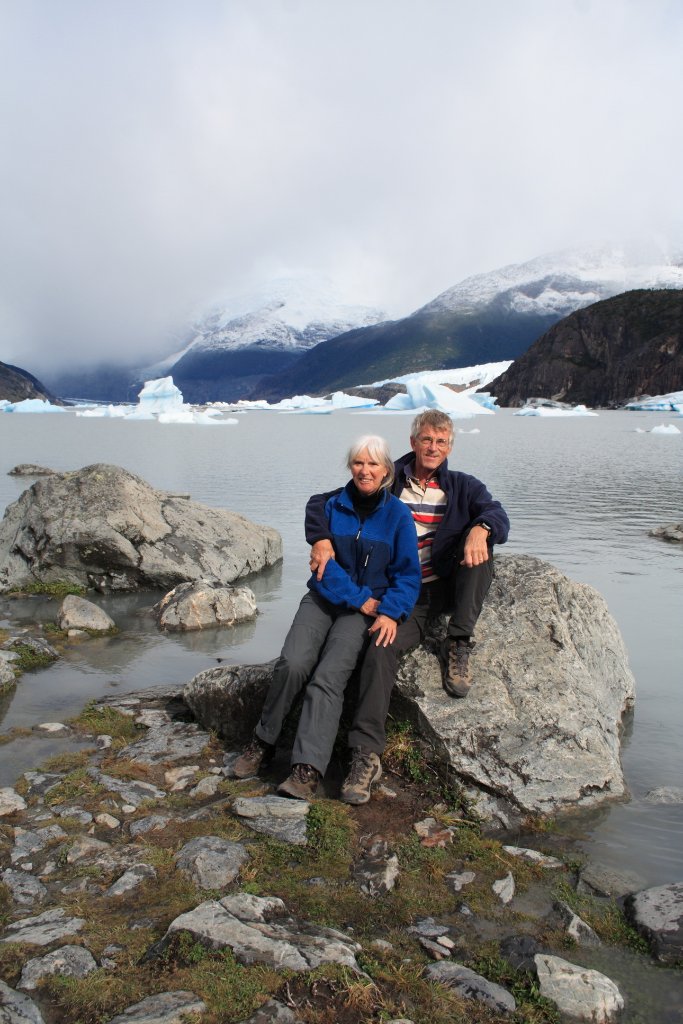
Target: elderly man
457, 523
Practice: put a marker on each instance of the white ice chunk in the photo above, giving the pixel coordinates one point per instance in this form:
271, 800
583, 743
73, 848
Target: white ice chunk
665, 428
30, 405
160, 395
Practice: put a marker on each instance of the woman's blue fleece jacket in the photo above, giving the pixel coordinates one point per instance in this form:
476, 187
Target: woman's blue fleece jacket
377, 558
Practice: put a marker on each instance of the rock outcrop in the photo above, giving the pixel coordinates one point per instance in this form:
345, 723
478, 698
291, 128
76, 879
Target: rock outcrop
104, 527
603, 355
539, 732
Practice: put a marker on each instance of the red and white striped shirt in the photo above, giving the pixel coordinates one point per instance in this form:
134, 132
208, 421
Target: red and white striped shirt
427, 506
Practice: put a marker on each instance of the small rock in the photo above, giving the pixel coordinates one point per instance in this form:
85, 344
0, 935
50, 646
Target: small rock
382, 944
665, 795
576, 991
204, 603
24, 889
211, 862
103, 741
432, 833
275, 816
77, 613
178, 779
471, 985
378, 871
152, 823
576, 928
534, 857
273, 1012
504, 888
10, 802
206, 787
53, 728
27, 842
44, 929
386, 792
68, 961
604, 880
40, 783
164, 1008
78, 814
108, 820
434, 949
657, 913
133, 792
131, 880
17, 1008
30, 469
457, 879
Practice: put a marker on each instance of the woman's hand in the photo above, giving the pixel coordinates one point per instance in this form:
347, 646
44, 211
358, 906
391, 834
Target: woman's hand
385, 628
369, 607
321, 552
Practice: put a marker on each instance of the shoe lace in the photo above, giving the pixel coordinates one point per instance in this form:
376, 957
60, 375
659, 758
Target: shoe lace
458, 657
360, 764
305, 772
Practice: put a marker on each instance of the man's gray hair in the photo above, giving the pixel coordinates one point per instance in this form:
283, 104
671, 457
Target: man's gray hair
431, 419
378, 450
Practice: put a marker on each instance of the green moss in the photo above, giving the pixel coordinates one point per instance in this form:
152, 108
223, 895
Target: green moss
58, 588
101, 719
604, 916
29, 659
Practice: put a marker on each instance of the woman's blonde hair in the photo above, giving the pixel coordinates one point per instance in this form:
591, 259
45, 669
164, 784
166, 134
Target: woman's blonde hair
378, 449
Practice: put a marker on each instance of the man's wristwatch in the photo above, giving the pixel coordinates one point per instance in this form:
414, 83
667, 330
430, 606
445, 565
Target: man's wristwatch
486, 527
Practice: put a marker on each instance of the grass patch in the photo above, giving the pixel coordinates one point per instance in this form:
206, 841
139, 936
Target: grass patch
532, 1007
69, 761
330, 831
17, 732
100, 719
605, 918
29, 659
59, 588
77, 785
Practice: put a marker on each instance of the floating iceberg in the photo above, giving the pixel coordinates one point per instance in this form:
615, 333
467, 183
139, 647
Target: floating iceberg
160, 396
30, 405
425, 394
550, 411
162, 401
665, 428
673, 402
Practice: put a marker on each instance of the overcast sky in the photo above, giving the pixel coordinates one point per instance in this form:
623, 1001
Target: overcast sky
159, 153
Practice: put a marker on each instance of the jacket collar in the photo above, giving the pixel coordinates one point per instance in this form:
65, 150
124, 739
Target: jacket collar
344, 498
406, 461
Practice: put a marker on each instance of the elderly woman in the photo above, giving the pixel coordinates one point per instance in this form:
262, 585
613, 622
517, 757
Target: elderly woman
371, 585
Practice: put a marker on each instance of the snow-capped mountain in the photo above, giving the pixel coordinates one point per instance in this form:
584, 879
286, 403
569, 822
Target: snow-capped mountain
289, 314
486, 318
561, 282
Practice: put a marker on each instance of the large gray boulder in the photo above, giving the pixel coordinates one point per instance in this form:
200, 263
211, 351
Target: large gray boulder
541, 726
540, 729
657, 913
104, 527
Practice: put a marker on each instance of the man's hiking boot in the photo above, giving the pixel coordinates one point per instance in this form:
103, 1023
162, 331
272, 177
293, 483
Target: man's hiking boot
301, 783
455, 666
252, 757
365, 769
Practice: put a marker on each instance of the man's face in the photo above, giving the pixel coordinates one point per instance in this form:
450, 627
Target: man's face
431, 448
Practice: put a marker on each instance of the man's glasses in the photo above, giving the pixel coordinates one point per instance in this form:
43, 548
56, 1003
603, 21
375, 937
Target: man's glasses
435, 442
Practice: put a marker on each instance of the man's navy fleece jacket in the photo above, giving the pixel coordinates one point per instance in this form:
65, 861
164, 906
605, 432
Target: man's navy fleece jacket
376, 558
468, 503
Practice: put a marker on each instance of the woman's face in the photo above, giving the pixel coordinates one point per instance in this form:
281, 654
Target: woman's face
367, 473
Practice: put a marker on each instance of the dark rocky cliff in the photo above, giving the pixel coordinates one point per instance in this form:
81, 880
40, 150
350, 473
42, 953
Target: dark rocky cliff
603, 355
17, 384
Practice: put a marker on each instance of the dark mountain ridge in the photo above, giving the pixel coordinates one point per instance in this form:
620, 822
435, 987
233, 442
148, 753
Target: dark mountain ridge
604, 354
17, 384
425, 340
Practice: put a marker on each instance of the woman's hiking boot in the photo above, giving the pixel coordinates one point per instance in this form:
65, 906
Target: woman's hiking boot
252, 757
364, 771
454, 656
302, 783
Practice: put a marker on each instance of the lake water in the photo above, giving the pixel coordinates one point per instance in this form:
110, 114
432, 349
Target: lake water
581, 493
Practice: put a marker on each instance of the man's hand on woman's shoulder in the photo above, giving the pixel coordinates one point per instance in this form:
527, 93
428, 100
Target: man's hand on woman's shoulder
321, 552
